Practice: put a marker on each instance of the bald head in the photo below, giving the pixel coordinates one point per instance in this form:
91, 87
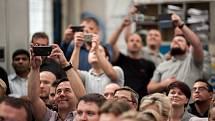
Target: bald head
110, 89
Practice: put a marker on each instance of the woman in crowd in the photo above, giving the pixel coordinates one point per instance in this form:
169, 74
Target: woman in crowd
179, 94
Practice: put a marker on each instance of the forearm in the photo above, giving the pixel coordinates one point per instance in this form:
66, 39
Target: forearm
75, 57
195, 42
34, 85
76, 82
33, 94
107, 67
127, 32
155, 87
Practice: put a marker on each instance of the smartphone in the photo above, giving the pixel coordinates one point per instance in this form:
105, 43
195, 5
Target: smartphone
42, 50
165, 21
77, 28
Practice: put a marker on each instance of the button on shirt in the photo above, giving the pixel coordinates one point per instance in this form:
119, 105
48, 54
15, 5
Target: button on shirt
18, 85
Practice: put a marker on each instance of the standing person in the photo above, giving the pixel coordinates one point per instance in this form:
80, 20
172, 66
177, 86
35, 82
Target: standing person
42, 39
185, 64
137, 71
91, 25
102, 72
67, 91
152, 49
153, 42
202, 94
18, 80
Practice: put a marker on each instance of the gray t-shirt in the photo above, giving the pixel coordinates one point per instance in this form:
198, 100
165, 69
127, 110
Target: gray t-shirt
184, 68
96, 83
156, 59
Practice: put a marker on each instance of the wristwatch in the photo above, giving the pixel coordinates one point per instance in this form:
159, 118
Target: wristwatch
66, 68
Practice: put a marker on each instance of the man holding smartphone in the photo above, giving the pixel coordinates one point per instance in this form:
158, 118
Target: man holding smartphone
91, 25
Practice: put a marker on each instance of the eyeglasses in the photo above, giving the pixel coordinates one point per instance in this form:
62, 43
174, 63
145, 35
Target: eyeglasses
200, 89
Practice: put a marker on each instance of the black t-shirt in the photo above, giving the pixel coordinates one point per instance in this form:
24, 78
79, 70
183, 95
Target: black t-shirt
138, 73
192, 109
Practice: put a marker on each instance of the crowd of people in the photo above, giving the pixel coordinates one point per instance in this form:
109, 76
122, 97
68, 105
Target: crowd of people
94, 81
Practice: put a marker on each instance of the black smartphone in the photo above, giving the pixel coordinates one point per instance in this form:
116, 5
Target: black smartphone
165, 21
42, 50
77, 28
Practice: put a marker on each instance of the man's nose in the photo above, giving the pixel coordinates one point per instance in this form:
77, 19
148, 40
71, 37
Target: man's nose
83, 117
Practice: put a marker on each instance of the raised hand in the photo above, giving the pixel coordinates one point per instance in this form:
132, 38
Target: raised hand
176, 20
68, 34
58, 55
79, 39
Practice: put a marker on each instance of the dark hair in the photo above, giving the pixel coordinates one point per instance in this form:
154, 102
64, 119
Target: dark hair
60, 81
87, 19
38, 35
134, 94
210, 87
96, 98
21, 52
182, 86
18, 103
117, 107
54, 67
181, 35
55, 83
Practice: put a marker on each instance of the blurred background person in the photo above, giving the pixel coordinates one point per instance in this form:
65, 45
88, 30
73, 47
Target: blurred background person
109, 90
18, 80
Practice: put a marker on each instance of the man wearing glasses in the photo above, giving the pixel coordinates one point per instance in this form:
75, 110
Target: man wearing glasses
202, 94
128, 95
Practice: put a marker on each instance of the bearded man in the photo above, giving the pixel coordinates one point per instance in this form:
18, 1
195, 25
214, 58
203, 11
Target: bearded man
186, 61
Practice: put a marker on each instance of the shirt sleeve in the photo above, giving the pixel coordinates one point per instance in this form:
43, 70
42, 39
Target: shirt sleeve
156, 75
50, 115
120, 75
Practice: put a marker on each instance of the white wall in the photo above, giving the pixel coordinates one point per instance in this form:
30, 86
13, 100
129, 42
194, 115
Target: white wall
14, 29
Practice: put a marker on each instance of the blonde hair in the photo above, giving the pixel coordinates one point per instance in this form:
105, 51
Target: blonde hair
148, 115
129, 115
159, 100
3, 85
